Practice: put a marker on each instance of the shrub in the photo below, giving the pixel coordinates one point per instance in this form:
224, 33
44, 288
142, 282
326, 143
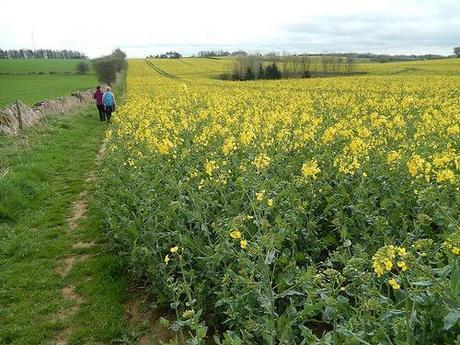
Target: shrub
306, 74
106, 68
82, 67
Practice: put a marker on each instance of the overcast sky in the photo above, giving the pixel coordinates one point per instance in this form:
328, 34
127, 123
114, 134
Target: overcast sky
142, 27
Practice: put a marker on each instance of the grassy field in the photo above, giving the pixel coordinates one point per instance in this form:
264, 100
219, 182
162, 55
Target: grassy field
39, 65
20, 79
300, 211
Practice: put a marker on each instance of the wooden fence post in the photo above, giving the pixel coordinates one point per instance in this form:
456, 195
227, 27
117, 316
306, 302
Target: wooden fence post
18, 108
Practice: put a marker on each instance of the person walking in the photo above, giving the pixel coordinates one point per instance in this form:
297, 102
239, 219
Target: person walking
109, 103
99, 104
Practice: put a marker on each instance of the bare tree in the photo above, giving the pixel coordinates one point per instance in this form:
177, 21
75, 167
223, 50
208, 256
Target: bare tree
285, 63
350, 63
305, 64
340, 63
324, 65
293, 64
327, 63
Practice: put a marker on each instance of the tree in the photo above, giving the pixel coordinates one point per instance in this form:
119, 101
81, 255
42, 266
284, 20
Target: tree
106, 68
272, 72
350, 63
457, 51
82, 67
249, 75
260, 72
305, 63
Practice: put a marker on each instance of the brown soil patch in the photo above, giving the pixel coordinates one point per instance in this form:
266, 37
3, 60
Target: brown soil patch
79, 209
83, 245
101, 152
139, 310
66, 266
68, 263
60, 338
92, 174
90, 177
68, 292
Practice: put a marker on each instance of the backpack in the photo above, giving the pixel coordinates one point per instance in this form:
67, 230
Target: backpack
108, 99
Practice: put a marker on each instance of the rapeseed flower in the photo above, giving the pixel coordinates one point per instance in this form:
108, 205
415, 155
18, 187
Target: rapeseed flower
310, 169
394, 283
235, 234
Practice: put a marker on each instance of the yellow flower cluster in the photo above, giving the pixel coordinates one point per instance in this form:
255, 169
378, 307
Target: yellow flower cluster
376, 120
261, 161
394, 283
310, 169
384, 259
173, 250
452, 248
236, 235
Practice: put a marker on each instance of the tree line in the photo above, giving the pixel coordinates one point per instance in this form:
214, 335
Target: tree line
167, 55
41, 54
217, 53
107, 67
286, 65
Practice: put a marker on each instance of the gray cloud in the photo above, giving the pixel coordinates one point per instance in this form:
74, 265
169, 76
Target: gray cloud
434, 29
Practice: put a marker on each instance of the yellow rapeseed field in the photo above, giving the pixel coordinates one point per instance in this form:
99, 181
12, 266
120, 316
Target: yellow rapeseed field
292, 211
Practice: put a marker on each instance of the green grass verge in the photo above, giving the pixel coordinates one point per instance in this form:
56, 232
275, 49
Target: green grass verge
41, 174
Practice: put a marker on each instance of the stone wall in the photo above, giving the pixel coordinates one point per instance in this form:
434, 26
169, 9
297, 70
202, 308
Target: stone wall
9, 121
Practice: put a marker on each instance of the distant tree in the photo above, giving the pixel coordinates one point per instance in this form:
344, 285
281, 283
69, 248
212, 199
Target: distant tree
212, 53
306, 74
260, 72
350, 63
249, 75
457, 51
82, 67
119, 59
272, 72
169, 55
106, 68
239, 53
41, 54
305, 64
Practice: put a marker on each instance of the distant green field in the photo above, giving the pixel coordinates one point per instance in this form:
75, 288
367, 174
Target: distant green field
19, 82
39, 65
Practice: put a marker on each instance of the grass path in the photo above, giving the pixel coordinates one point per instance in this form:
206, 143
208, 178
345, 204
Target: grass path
58, 283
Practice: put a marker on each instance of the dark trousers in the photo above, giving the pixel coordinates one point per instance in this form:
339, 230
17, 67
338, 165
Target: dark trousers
101, 109
108, 112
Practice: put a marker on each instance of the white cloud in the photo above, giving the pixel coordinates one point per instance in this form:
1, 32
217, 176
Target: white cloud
142, 27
